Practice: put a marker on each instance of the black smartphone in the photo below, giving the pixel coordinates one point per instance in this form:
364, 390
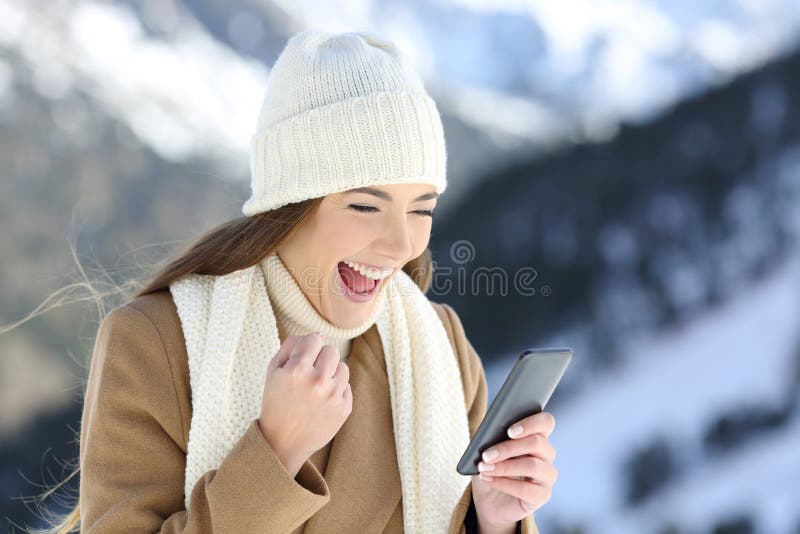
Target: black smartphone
526, 390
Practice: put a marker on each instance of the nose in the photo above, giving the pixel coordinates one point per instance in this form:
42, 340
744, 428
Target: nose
396, 239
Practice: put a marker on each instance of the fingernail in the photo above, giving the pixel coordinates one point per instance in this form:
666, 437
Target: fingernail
489, 454
482, 466
515, 431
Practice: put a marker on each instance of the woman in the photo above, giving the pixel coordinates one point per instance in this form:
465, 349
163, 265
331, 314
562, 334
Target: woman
286, 373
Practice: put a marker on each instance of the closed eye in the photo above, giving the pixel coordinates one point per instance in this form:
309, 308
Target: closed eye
358, 207
372, 209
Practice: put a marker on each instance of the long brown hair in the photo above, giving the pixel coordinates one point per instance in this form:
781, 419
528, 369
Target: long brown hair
233, 245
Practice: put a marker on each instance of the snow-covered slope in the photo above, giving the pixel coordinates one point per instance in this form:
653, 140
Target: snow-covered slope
186, 97
675, 385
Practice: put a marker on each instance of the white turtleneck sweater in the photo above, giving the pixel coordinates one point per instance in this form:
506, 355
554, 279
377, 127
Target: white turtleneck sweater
299, 317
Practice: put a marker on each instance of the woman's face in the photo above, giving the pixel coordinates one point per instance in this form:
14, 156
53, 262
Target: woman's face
382, 226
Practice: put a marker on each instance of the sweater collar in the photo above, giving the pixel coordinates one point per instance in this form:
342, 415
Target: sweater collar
299, 317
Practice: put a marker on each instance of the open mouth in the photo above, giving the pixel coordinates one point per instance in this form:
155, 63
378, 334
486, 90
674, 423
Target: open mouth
357, 283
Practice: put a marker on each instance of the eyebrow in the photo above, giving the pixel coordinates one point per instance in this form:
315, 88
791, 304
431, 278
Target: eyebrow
386, 196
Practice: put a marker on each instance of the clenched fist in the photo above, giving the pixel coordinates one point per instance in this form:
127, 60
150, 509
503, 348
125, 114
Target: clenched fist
307, 398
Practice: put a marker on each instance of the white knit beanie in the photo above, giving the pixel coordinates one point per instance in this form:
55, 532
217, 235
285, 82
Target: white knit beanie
342, 111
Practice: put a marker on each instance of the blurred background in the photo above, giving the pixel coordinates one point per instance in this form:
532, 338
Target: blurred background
639, 160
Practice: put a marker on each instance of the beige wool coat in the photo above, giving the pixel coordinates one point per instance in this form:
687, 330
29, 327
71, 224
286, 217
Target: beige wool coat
135, 423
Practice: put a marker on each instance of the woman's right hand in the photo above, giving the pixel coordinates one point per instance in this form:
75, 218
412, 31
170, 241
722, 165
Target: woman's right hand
307, 398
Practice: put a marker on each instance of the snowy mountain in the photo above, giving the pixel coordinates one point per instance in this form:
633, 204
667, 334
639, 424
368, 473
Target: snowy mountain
512, 78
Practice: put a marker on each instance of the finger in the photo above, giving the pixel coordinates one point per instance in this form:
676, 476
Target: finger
537, 469
282, 356
342, 378
538, 423
305, 351
524, 490
534, 445
327, 360
347, 395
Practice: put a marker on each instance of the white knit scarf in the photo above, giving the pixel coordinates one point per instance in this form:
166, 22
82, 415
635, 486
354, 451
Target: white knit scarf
231, 335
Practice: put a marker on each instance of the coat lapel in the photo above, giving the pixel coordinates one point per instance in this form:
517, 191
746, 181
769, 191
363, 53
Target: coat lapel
362, 471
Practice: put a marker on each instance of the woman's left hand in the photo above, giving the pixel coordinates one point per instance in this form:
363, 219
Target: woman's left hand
521, 474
